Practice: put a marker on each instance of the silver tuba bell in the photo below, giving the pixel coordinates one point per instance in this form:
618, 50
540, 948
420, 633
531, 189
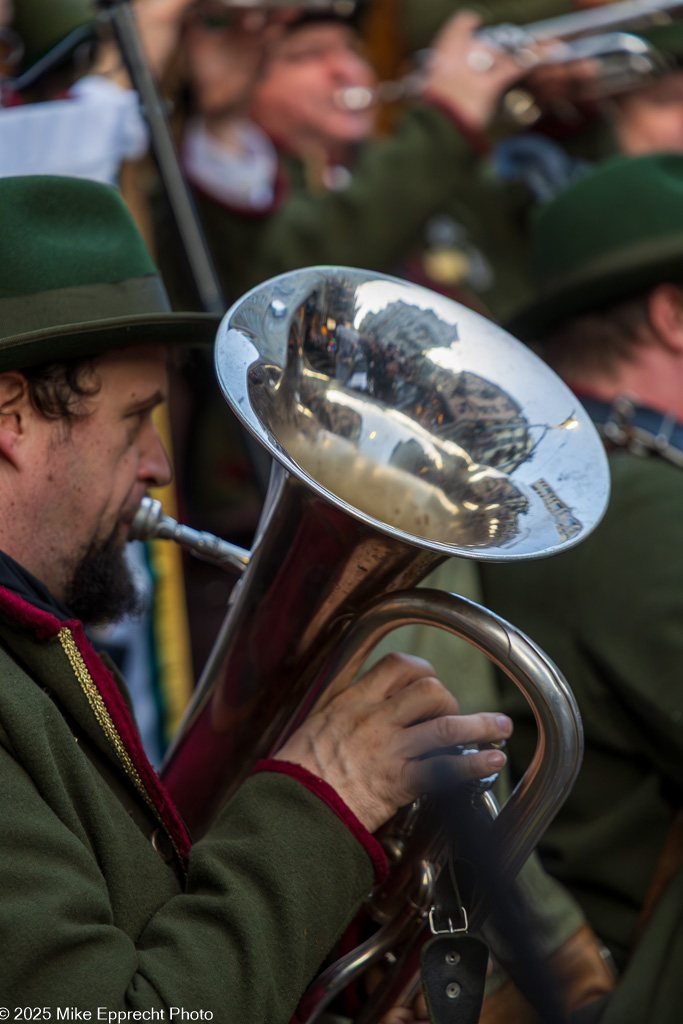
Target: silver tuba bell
404, 429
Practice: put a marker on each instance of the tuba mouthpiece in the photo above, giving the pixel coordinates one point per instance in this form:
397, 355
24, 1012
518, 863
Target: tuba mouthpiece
151, 522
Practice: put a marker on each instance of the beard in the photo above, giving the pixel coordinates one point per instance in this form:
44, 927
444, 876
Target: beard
102, 588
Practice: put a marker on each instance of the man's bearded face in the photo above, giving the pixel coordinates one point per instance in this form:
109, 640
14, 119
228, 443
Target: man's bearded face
81, 485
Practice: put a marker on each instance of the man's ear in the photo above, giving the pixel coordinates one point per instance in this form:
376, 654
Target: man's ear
665, 310
14, 405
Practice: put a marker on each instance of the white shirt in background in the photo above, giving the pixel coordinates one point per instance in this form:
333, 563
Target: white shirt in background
85, 135
242, 176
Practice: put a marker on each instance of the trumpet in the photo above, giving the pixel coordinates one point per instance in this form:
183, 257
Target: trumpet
404, 428
633, 14
607, 34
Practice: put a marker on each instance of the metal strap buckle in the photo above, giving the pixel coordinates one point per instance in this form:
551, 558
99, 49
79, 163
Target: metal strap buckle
450, 930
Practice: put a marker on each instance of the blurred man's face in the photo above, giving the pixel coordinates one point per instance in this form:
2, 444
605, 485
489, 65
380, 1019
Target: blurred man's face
650, 119
301, 99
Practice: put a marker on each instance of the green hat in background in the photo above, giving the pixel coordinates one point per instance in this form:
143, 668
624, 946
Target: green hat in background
76, 278
50, 30
611, 234
344, 12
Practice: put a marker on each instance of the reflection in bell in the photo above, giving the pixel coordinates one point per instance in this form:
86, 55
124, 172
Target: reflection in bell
388, 397
407, 501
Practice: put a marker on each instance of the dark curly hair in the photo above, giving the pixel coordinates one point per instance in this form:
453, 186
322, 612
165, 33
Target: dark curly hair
57, 390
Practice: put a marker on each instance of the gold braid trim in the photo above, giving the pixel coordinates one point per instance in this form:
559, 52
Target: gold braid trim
106, 723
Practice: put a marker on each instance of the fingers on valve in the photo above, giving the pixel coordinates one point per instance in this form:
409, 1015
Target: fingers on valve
459, 730
444, 772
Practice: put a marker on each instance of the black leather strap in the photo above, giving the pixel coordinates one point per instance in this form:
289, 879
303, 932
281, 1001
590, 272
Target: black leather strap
453, 977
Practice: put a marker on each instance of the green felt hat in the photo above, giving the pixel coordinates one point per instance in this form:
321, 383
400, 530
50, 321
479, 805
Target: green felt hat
613, 233
76, 278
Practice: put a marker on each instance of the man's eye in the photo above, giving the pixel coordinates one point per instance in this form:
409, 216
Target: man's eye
137, 418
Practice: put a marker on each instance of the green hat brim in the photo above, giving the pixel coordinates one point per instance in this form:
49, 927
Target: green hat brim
94, 338
599, 284
77, 278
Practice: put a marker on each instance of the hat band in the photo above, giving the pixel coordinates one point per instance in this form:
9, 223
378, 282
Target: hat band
81, 304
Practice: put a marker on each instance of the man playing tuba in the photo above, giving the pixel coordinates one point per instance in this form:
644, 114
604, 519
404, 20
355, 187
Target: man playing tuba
109, 906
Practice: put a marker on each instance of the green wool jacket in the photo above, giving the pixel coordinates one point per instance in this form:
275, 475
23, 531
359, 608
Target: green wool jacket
376, 222
96, 908
610, 614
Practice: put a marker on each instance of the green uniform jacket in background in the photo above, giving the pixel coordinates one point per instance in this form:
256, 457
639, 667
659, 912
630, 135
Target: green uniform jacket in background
375, 222
610, 614
93, 914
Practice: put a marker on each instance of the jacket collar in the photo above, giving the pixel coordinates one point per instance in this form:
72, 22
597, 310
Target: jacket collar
97, 703
20, 581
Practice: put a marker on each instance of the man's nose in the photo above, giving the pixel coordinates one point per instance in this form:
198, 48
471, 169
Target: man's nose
350, 67
155, 465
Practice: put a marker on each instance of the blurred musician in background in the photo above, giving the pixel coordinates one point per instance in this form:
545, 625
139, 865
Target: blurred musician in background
380, 204
608, 109
649, 119
107, 902
609, 319
317, 100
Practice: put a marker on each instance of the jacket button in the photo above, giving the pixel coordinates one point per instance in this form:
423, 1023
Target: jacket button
162, 845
